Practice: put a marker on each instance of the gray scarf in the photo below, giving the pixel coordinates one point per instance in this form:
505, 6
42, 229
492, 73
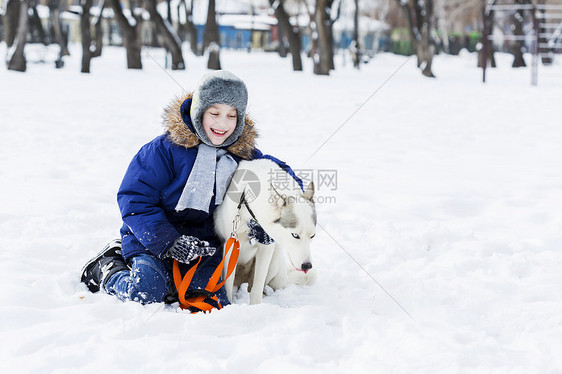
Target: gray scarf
213, 167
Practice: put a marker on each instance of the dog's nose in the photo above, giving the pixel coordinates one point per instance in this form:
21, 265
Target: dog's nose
306, 267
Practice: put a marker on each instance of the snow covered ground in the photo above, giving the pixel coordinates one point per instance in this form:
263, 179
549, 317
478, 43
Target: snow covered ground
449, 195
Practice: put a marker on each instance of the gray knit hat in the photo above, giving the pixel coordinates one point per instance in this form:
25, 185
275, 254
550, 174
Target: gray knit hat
219, 87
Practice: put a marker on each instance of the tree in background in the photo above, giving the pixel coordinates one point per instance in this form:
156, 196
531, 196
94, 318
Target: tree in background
356, 53
166, 32
16, 56
85, 32
91, 46
188, 27
431, 25
518, 46
487, 49
211, 38
10, 20
131, 32
292, 33
35, 26
324, 27
56, 26
321, 35
321, 54
420, 20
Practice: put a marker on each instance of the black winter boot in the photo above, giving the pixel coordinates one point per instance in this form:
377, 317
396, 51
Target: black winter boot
103, 265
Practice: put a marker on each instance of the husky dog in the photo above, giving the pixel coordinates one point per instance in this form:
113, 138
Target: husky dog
288, 218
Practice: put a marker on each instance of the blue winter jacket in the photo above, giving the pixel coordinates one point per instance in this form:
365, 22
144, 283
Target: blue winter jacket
149, 193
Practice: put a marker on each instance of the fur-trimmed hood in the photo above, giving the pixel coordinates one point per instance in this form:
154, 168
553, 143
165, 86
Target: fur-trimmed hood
180, 133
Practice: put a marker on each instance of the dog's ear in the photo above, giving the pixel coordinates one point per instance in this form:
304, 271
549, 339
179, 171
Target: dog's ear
309, 193
276, 198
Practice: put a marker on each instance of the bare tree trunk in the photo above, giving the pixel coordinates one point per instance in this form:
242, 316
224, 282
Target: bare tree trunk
212, 37
214, 62
11, 19
180, 26
427, 51
418, 9
17, 60
321, 57
86, 35
211, 33
488, 47
86, 32
131, 34
330, 29
356, 46
190, 28
412, 29
420, 24
168, 34
282, 38
54, 12
98, 40
36, 23
293, 35
428, 46
330, 44
192, 31
517, 46
169, 11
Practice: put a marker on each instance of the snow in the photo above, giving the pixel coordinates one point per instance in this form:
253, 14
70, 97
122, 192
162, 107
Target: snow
448, 197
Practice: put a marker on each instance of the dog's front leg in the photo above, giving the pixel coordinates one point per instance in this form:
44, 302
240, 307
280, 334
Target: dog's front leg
277, 277
261, 268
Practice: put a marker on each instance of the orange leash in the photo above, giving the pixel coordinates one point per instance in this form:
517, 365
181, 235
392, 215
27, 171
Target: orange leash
182, 284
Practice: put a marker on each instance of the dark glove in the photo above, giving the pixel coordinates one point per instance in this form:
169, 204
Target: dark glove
186, 248
258, 234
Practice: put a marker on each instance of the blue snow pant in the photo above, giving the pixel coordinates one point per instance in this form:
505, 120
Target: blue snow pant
150, 278
148, 281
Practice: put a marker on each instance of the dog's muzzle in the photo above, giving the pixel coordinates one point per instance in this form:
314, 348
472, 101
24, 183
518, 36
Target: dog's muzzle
306, 267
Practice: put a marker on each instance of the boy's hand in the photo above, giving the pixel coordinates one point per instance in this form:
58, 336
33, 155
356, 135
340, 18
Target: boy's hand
187, 248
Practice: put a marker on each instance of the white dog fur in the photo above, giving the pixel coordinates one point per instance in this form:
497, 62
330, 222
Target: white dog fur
286, 214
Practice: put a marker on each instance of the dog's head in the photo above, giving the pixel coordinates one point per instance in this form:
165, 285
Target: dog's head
294, 225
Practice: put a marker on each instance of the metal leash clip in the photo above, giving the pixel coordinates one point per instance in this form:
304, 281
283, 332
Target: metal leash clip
235, 225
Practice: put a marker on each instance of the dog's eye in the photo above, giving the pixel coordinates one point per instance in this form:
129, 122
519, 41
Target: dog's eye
312, 236
296, 236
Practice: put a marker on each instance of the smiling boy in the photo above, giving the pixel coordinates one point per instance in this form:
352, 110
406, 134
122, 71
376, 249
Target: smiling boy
169, 193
